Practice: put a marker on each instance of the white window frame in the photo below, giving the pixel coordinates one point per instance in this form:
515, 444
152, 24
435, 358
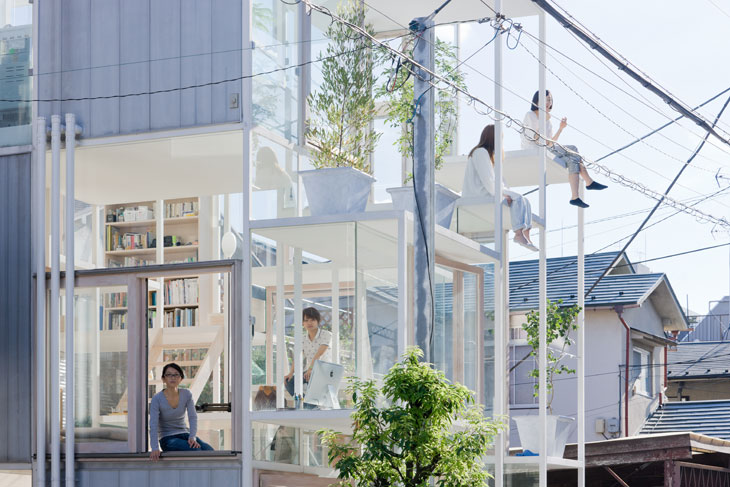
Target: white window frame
645, 376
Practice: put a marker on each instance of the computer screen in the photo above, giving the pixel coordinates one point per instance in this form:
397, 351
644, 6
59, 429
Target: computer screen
324, 384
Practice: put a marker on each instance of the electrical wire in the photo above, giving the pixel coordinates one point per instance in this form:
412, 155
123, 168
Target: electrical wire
511, 121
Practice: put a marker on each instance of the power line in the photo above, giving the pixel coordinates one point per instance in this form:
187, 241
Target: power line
669, 188
617, 124
724, 12
626, 66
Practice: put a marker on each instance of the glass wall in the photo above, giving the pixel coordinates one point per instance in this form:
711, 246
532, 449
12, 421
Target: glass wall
100, 367
16, 61
348, 273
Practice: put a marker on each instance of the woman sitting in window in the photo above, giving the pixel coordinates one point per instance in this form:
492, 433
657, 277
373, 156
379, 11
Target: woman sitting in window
479, 181
167, 416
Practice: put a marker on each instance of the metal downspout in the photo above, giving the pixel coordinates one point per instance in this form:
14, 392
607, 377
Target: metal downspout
619, 310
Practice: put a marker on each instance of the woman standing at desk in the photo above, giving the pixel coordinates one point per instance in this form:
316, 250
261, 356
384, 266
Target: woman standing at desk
167, 416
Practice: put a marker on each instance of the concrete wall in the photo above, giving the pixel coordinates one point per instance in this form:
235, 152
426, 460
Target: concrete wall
605, 355
16, 349
97, 48
699, 390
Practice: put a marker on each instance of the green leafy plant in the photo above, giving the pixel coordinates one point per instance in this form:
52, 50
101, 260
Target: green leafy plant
430, 429
561, 320
398, 96
342, 109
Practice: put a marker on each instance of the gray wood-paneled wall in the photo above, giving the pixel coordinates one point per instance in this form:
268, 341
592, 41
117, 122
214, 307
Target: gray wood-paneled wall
165, 473
96, 48
15, 310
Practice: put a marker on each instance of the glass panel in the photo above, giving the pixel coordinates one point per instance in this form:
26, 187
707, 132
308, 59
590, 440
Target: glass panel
275, 95
188, 324
443, 357
474, 218
274, 171
16, 60
100, 365
274, 443
471, 330
377, 297
488, 373
522, 385
327, 277
386, 161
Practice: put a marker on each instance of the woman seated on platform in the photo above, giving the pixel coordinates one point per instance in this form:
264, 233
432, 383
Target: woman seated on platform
479, 181
567, 154
167, 416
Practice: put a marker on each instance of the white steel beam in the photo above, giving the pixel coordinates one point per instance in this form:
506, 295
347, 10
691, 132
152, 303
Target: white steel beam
54, 404
39, 200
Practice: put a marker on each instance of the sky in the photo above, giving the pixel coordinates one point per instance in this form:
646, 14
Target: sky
685, 51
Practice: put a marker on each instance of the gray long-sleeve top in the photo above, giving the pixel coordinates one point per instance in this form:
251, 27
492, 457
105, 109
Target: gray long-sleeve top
166, 421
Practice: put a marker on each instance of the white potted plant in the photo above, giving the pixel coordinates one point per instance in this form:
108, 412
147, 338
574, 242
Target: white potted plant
398, 93
561, 321
342, 111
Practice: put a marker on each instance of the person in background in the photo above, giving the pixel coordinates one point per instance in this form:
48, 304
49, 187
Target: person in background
167, 416
315, 346
479, 181
568, 154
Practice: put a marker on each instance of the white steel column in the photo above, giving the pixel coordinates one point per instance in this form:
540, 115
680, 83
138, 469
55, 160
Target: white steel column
245, 291
70, 283
542, 274
501, 321
39, 201
55, 293
335, 314
580, 368
298, 335
281, 361
403, 298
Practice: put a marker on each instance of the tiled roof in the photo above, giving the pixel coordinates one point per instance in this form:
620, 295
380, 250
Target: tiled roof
562, 274
710, 418
699, 360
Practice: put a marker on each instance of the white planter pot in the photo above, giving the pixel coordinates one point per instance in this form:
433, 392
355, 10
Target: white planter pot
403, 199
559, 429
336, 190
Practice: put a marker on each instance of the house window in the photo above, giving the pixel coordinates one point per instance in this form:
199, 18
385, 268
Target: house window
521, 385
641, 373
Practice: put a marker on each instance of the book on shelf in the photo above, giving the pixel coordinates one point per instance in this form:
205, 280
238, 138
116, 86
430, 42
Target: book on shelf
116, 240
181, 291
117, 321
181, 209
115, 300
181, 317
151, 318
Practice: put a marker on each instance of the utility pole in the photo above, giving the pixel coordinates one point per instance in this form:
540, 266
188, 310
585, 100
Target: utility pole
423, 186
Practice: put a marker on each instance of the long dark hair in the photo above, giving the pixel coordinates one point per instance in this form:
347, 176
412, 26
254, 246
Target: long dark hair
486, 141
536, 101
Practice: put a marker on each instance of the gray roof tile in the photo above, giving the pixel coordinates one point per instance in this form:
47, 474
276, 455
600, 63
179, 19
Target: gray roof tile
711, 418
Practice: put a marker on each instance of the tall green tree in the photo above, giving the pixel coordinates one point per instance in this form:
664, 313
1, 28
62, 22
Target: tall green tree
342, 109
419, 427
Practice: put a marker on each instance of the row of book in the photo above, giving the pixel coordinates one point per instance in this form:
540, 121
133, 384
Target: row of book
181, 317
181, 291
117, 321
184, 354
116, 240
115, 300
185, 208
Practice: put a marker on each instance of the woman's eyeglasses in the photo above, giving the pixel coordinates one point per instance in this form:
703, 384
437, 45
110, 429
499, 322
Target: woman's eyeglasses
172, 376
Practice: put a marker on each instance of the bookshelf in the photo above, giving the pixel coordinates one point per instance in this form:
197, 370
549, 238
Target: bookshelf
130, 232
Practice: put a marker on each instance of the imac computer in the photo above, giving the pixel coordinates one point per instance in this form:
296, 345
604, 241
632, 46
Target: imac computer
324, 384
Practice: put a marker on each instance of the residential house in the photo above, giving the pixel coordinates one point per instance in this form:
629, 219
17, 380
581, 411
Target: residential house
626, 314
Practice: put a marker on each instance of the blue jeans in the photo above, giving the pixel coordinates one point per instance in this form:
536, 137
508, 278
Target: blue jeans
180, 443
520, 211
571, 161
